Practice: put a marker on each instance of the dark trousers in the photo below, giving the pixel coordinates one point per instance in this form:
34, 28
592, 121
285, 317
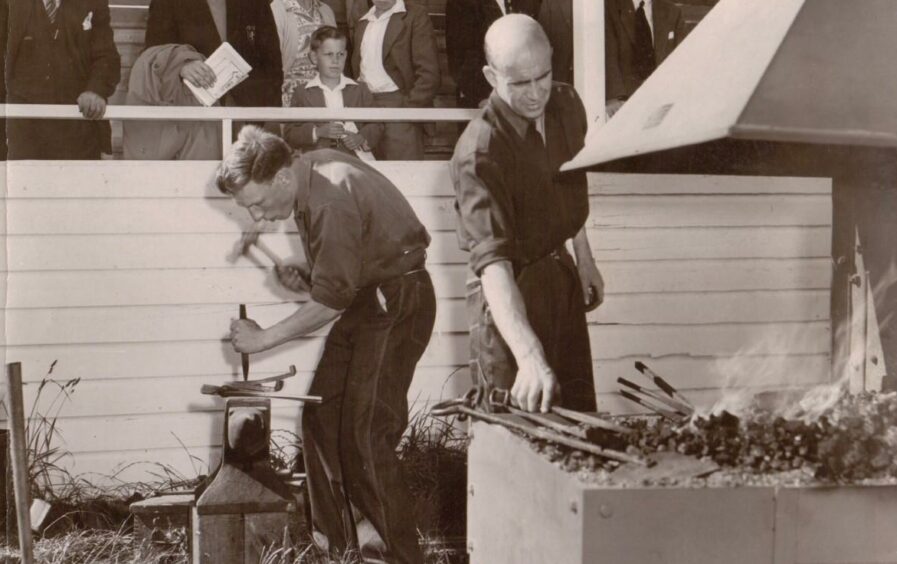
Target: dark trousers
350, 439
401, 140
52, 139
552, 294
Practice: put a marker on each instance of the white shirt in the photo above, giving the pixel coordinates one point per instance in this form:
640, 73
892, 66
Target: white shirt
372, 72
649, 13
333, 98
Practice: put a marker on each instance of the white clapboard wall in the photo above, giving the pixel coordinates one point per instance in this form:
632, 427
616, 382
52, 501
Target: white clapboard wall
118, 271
714, 282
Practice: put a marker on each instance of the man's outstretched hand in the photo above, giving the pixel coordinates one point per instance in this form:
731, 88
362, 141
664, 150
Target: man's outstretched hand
536, 386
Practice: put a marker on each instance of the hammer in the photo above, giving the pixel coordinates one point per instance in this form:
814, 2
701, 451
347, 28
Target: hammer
249, 239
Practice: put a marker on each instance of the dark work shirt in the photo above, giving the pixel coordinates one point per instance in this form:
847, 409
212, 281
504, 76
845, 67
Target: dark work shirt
511, 201
357, 227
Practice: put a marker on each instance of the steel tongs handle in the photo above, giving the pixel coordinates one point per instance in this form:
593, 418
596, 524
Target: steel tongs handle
462, 406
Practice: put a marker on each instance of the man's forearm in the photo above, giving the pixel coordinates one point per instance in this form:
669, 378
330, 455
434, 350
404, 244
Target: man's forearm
581, 247
307, 319
508, 310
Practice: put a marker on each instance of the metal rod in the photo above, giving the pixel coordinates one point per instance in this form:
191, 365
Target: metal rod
18, 454
233, 393
589, 420
540, 419
669, 402
244, 357
551, 436
656, 409
663, 384
287, 374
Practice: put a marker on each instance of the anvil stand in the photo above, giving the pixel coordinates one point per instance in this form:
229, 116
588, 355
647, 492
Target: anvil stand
244, 507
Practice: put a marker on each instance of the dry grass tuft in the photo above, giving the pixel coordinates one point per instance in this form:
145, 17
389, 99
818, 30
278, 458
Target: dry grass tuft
101, 546
92, 525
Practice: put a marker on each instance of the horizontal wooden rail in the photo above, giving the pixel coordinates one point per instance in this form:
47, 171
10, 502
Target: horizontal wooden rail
199, 113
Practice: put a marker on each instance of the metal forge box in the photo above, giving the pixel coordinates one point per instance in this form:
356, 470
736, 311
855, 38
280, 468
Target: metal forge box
523, 509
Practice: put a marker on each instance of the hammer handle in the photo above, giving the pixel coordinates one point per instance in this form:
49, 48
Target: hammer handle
266, 250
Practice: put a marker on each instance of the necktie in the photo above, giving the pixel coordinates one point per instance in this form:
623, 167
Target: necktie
52, 6
644, 44
534, 139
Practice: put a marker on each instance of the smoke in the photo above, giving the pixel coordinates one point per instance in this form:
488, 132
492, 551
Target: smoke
754, 378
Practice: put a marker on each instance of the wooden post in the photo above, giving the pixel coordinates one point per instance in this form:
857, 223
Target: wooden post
19, 458
227, 135
588, 56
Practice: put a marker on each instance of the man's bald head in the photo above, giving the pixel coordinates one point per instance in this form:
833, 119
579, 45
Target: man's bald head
519, 64
511, 34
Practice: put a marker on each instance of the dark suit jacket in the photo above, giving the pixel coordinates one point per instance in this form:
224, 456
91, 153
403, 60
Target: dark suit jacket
466, 22
97, 62
299, 135
409, 55
556, 17
619, 39
250, 30
96, 58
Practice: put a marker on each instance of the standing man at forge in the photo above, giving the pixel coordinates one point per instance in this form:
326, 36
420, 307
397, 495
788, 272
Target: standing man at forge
366, 251
526, 303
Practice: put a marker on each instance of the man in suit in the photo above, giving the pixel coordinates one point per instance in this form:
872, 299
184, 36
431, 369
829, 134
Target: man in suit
248, 25
638, 36
59, 53
395, 56
556, 18
466, 22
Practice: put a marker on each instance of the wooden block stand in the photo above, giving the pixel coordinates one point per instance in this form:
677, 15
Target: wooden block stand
523, 508
157, 514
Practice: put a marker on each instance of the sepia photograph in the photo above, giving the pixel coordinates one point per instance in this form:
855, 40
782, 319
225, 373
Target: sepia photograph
448, 281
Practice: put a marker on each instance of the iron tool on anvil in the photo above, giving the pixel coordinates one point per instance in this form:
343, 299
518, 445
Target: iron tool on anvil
526, 302
366, 251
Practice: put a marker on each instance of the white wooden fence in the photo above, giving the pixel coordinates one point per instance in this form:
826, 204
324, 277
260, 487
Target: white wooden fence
117, 271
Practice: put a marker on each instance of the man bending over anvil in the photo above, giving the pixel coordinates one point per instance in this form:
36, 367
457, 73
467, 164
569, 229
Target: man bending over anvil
366, 250
526, 304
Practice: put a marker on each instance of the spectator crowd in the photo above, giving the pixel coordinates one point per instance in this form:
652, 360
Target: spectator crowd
303, 53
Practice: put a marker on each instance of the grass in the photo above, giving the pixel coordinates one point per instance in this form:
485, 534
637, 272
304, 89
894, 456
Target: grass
92, 525
95, 546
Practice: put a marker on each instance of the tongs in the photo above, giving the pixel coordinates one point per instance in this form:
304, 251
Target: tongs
466, 406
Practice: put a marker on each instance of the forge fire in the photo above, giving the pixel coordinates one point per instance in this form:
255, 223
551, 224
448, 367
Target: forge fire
851, 440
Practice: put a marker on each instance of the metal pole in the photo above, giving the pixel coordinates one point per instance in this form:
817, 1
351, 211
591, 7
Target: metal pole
19, 458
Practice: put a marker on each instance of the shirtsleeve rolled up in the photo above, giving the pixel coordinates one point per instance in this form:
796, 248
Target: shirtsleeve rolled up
486, 227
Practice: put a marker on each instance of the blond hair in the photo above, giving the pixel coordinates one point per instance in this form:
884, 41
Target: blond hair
256, 156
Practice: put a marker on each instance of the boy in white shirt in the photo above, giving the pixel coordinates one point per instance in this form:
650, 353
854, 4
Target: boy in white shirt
332, 89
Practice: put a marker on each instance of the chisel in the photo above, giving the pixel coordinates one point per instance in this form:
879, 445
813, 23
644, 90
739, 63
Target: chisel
244, 357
